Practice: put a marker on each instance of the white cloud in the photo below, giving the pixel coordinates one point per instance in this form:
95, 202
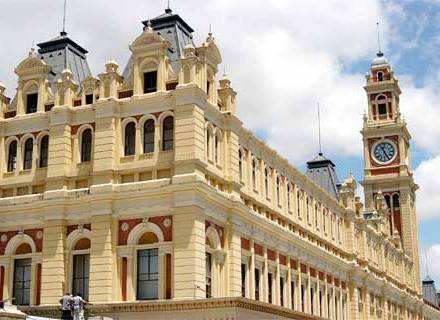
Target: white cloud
427, 175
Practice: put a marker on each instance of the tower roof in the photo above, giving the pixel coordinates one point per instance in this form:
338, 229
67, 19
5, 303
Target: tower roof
379, 60
322, 171
63, 53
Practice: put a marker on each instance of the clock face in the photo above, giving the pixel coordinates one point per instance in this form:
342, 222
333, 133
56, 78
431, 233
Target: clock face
384, 152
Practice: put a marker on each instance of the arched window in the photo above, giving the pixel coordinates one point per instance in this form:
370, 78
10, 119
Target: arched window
208, 143
86, 145
168, 133
216, 149
44, 151
28, 150
388, 201
254, 174
396, 202
12, 156
379, 76
149, 136
130, 139
240, 165
381, 105
81, 267
266, 182
278, 191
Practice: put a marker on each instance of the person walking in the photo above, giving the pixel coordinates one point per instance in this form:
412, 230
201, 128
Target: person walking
78, 307
66, 306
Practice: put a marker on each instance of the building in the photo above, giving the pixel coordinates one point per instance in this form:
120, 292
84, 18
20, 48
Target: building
143, 191
429, 291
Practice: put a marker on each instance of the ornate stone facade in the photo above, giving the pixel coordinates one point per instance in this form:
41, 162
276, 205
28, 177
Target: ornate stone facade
146, 186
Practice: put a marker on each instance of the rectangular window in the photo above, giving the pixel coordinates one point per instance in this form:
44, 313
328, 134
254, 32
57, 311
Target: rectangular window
282, 292
302, 298
270, 287
257, 284
320, 304
147, 274
312, 296
22, 281
80, 277
150, 82
382, 109
32, 103
89, 98
208, 261
243, 279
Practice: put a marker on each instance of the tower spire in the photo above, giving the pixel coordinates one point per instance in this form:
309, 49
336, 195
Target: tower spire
168, 9
379, 51
319, 130
63, 33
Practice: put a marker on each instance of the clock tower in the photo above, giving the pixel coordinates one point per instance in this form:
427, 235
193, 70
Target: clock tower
387, 160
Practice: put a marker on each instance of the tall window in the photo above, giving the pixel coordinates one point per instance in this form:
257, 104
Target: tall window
44, 151
254, 174
130, 139
216, 149
89, 98
31, 103
303, 296
308, 209
257, 284
147, 274
292, 294
22, 281
243, 279
12, 156
86, 145
298, 203
150, 82
278, 191
168, 133
312, 296
266, 182
28, 150
316, 216
149, 136
379, 76
289, 189
208, 264
240, 165
320, 304
80, 277
270, 286
208, 144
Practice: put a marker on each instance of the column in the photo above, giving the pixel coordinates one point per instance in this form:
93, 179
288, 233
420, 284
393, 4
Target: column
264, 278
53, 278
298, 288
252, 271
277, 295
102, 282
288, 301
189, 253
352, 301
233, 262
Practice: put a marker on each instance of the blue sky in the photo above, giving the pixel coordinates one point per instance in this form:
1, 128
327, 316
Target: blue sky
283, 57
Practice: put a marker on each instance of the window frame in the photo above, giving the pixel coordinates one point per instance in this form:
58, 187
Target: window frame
130, 140
149, 146
168, 129
28, 153
43, 159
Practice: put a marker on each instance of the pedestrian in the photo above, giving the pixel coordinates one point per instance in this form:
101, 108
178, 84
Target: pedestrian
66, 306
78, 307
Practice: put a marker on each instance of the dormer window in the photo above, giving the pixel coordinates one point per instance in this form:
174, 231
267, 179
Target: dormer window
31, 103
89, 98
150, 82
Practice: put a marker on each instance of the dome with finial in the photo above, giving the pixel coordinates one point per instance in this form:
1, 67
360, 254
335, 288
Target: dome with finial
379, 60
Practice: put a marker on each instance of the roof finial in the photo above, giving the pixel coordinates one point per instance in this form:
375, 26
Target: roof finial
210, 30
168, 9
63, 33
379, 51
319, 130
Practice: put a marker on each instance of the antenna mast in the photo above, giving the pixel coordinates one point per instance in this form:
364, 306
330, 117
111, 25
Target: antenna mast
378, 38
64, 18
319, 130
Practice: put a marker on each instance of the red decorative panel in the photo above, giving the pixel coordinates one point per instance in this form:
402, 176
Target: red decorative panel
258, 249
77, 102
271, 255
38, 285
321, 275
329, 279
283, 259
157, 114
343, 285
159, 221
73, 227
380, 171
303, 268
31, 233
336, 282
124, 279
397, 221
48, 107
245, 244
220, 231
293, 264
168, 276
125, 94
313, 272
10, 114
2, 281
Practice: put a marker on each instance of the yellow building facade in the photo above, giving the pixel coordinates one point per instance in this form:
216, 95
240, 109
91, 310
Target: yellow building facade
143, 191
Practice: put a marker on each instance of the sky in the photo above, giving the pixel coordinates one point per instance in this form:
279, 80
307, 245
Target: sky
283, 58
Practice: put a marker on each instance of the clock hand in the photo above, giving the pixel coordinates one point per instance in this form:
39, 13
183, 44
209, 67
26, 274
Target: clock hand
385, 153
